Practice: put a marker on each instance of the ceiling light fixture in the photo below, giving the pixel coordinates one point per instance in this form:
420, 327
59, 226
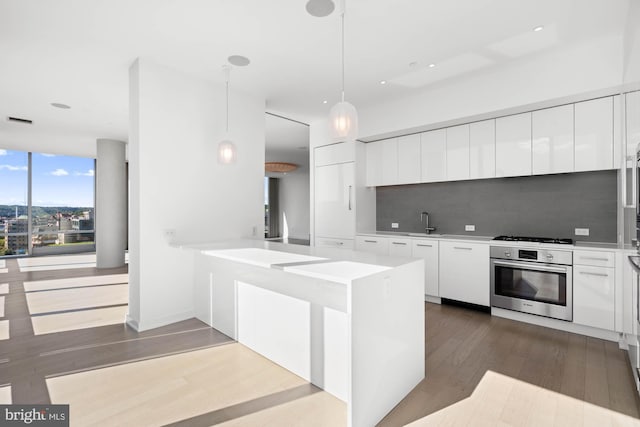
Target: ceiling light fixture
383, 82
432, 65
343, 117
280, 167
226, 147
59, 105
538, 28
325, 101
238, 60
320, 8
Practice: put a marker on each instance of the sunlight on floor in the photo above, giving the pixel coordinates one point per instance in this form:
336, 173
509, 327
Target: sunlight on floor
60, 262
4, 329
172, 388
75, 282
5, 395
76, 320
4, 288
502, 400
78, 298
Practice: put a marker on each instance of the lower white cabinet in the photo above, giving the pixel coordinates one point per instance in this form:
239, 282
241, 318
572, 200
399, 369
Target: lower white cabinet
400, 247
594, 290
376, 245
464, 272
329, 242
428, 250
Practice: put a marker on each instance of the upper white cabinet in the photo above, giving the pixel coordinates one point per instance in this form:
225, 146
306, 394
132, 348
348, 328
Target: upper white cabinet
482, 149
632, 100
334, 153
457, 152
409, 170
390, 161
513, 145
374, 163
594, 134
552, 143
433, 147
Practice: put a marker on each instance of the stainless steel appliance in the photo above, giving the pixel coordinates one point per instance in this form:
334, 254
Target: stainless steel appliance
533, 279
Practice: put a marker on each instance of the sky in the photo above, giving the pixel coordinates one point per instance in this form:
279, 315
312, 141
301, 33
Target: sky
57, 180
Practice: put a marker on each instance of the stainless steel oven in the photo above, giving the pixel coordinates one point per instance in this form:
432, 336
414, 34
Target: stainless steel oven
533, 280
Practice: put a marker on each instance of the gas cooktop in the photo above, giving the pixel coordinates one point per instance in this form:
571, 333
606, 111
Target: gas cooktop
551, 240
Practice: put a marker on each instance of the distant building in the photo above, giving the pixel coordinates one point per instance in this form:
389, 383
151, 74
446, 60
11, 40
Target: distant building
16, 244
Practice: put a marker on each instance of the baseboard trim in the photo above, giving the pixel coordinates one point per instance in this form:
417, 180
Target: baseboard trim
434, 300
146, 324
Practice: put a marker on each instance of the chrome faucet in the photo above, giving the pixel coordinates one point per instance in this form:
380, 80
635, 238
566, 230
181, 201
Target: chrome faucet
427, 229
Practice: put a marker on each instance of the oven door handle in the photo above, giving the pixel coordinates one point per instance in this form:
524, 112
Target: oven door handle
531, 266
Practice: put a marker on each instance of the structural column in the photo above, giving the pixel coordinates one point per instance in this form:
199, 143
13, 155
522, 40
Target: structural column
111, 203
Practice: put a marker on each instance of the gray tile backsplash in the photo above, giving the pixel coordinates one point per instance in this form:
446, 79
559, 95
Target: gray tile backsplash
542, 206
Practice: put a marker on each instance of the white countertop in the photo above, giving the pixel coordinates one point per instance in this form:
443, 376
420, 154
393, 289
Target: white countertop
261, 257
339, 271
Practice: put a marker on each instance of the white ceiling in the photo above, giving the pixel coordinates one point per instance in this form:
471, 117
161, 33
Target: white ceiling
78, 52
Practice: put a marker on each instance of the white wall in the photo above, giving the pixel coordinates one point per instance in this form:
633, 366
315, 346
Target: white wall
294, 203
176, 183
560, 73
632, 45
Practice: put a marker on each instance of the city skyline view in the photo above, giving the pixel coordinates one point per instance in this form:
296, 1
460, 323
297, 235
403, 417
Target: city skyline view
56, 180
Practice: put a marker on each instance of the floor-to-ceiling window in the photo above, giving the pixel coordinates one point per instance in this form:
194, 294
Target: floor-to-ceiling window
14, 188
61, 196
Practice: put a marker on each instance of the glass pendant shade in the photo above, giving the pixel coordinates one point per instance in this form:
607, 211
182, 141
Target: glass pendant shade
226, 152
343, 122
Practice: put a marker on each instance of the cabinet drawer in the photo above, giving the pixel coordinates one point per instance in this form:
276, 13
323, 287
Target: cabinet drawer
334, 243
594, 258
594, 297
373, 244
400, 247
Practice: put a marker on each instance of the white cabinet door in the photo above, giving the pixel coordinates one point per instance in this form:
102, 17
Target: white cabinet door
482, 149
427, 249
464, 272
373, 152
373, 244
335, 201
390, 161
334, 153
433, 148
632, 100
457, 153
553, 140
409, 159
594, 134
593, 296
399, 247
513, 145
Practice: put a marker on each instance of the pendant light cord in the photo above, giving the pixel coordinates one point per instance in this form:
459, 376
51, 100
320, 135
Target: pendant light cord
227, 105
343, 53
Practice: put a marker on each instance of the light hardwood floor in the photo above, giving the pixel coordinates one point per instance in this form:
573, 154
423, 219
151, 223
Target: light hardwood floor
461, 346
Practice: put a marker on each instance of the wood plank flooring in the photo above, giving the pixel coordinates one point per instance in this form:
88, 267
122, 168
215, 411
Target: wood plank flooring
461, 346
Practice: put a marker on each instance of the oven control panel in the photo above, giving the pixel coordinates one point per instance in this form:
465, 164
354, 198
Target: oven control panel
547, 256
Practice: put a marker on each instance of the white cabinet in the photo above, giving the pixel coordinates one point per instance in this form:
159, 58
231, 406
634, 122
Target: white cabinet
594, 289
427, 249
457, 153
400, 246
594, 134
373, 244
552, 144
328, 242
464, 272
513, 145
389, 161
433, 153
482, 149
373, 155
334, 153
335, 201
409, 170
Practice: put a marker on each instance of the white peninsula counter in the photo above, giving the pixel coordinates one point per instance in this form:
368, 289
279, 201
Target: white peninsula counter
351, 323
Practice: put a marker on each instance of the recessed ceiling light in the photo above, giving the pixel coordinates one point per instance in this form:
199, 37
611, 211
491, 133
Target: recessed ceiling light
383, 82
59, 105
432, 65
320, 8
325, 101
538, 28
238, 60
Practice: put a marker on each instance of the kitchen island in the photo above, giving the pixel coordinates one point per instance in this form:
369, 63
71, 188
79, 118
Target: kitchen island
351, 323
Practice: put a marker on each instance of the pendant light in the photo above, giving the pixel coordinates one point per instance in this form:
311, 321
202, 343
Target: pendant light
226, 147
343, 117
